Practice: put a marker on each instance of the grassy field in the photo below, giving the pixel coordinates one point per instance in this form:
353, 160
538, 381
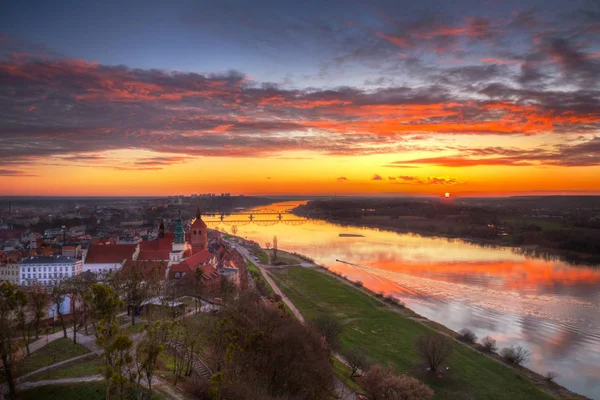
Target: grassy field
388, 337
55, 351
88, 366
252, 267
84, 390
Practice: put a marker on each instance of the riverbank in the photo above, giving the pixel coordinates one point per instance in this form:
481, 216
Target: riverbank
386, 331
530, 250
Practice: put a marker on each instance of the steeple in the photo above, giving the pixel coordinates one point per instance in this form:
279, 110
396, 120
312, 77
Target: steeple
198, 215
161, 230
179, 232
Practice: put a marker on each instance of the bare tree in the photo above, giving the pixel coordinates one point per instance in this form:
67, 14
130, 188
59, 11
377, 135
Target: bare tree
434, 348
39, 301
330, 327
9, 295
58, 295
515, 355
550, 376
382, 384
135, 287
466, 335
24, 317
268, 245
489, 344
234, 230
357, 360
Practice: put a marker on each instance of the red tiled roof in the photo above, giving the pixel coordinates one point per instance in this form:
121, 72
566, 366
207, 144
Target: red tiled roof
153, 255
147, 267
163, 243
191, 263
198, 223
109, 253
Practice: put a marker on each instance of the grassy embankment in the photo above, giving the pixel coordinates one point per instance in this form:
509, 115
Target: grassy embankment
257, 274
95, 390
55, 351
389, 337
88, 366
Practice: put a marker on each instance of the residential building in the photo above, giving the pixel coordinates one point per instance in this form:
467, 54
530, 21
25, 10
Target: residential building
48, 269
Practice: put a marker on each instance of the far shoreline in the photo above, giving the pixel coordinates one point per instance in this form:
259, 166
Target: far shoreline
530, 251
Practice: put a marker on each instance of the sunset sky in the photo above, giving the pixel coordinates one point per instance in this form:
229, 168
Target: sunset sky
493, 97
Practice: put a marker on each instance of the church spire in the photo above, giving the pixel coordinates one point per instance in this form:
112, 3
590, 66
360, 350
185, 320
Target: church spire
179, 232
198, 215
161, 229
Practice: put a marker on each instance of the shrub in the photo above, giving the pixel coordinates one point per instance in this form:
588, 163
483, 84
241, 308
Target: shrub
489, 344
515, 355
381, 384
358, 284
550, 376
434, 349
466, 335
392, 300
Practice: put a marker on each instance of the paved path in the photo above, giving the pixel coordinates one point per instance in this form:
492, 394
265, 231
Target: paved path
58, 364
29, 385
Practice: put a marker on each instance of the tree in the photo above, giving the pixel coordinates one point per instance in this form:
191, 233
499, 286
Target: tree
357, 360
550, 376
134, 287
434, 349
9, 295
122, 360
330, 327
268, 245
515, 355
466, 335
24, 317
262, 353
275, 248
58, 295
234, 230
227, 290
39, 302
489, 344
382, 384
105, 305
148, 350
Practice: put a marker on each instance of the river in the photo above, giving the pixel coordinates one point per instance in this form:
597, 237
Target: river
550, 307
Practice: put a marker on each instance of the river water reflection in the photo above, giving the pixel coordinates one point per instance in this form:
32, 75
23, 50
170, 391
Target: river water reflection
550, 307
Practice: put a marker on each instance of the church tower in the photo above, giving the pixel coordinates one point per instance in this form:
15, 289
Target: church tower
178, 245
198, 234
161, 230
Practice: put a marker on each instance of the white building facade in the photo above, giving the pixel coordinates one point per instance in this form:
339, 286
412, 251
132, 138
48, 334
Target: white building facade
48, 269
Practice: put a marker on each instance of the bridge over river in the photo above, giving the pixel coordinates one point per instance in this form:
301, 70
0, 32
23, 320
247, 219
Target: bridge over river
263, 217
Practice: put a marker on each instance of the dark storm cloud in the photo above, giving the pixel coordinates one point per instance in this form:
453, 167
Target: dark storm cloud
457, 72
12, 172
583, 154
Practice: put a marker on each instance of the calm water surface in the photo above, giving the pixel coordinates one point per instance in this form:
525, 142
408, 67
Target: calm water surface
550, 307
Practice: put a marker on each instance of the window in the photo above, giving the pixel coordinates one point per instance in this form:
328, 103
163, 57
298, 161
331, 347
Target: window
177, 275
194, 232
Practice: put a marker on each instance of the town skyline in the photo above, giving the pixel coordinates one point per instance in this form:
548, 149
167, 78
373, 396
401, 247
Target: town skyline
478, 99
